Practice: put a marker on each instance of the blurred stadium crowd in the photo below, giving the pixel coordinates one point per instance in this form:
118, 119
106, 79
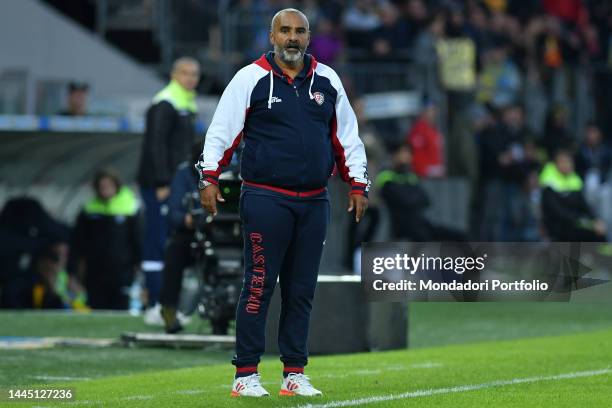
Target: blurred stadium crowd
515, 101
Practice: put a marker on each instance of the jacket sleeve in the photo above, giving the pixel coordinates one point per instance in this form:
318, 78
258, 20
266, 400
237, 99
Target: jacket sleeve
159, 131
225, 130
349, 151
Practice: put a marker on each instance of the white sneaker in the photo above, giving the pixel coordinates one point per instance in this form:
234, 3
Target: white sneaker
183, 318
298, 384
248, 387
152, 316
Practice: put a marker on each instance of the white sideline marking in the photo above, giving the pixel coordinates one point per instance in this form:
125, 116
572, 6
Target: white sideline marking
459, 388
138, 398
377, 371
367, 372
427, 365
191, 392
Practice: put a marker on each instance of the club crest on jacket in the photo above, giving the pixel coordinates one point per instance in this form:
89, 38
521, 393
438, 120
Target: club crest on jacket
319, 97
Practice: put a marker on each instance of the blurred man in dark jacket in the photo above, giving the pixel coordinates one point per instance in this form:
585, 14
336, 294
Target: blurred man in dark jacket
507, 156
593, 158
170, 132
565, 212
183, 194
407, 202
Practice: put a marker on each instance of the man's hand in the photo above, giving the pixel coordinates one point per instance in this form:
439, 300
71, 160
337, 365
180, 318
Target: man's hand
161, 193
359, 203
188, 221
600, 227
209, 197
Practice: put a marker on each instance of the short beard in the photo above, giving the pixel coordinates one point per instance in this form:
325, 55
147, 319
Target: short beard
289, 59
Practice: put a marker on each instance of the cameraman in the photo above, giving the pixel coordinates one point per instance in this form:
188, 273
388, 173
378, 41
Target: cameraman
178, 253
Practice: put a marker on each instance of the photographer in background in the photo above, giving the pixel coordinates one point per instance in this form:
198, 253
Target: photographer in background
178, 253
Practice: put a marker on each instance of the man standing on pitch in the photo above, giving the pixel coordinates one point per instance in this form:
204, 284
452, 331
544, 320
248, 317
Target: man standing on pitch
169, 136
296, 122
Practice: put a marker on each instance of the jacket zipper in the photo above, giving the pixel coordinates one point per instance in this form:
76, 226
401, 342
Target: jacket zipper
297, 95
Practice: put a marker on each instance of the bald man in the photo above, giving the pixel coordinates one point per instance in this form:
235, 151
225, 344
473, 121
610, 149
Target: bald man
169, 135
296, 123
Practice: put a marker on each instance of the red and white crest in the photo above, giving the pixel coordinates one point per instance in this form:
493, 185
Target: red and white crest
319, 97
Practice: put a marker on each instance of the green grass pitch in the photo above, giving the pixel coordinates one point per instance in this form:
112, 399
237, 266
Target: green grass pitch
468, 355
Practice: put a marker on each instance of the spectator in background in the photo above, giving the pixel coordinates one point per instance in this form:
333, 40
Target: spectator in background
391, 40
52, 288
565, 212
426, 143
360, 20
593, 160
502, 26
169, 134
416, 16
425, 54
478, 25
33, 247
78, 93
425, 42
361, 15
499, 82
519, 154
457, 54
333, 10
326, 45
570, 11
457, 67
106, 243
559, 50
593, 157
556, 131
550, 45
507, 156
521, 222
603, 77
524, 10
407, 202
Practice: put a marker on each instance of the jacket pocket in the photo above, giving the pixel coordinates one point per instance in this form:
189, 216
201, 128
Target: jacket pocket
249, 159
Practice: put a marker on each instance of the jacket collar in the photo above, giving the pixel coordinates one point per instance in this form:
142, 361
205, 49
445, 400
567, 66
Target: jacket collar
179, 97
266, 61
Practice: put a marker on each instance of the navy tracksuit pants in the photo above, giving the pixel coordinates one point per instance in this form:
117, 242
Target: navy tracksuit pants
283, 238
154, 242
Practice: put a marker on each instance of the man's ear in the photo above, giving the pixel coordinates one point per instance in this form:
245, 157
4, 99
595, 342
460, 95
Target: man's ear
271, 36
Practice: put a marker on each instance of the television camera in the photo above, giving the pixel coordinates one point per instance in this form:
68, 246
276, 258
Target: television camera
217, 250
